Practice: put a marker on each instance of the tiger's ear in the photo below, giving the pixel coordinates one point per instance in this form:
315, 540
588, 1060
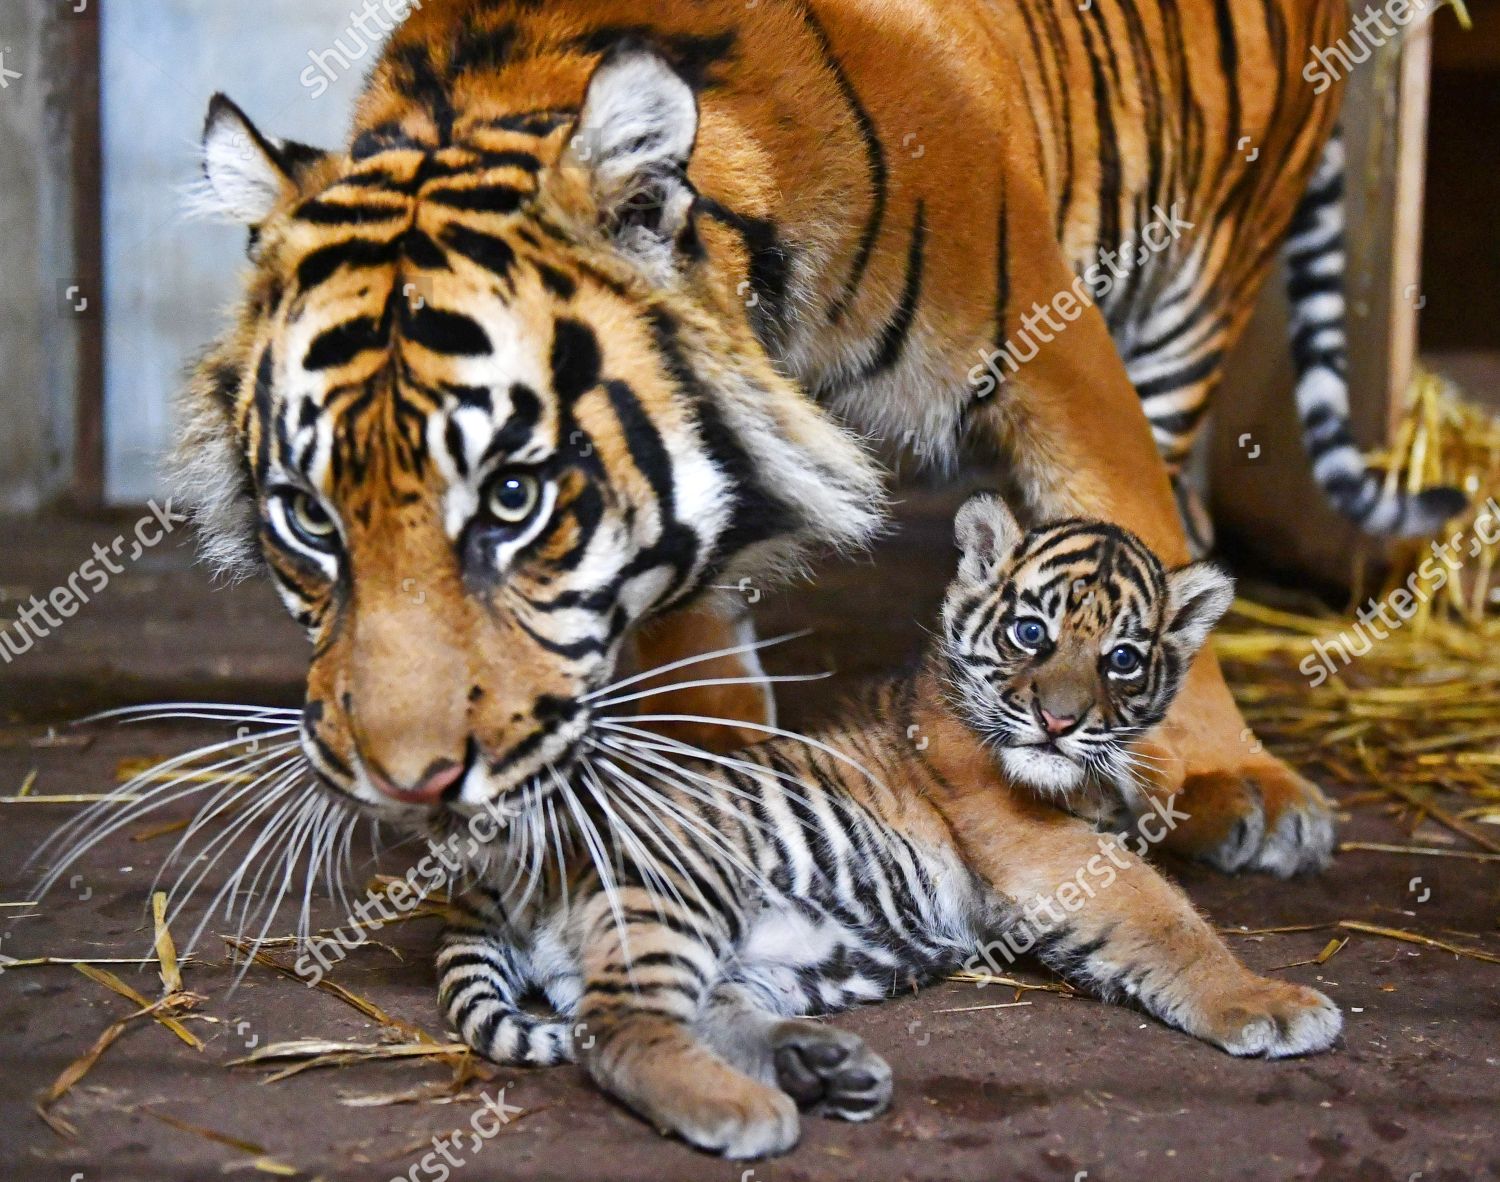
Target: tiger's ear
987, 533
634, 138
247, 174
1198, 595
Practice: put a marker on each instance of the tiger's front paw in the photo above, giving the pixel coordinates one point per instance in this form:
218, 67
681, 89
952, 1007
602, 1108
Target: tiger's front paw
1261, 816
1273, 1019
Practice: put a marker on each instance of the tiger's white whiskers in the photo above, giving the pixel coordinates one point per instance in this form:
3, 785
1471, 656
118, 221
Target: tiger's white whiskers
732, 651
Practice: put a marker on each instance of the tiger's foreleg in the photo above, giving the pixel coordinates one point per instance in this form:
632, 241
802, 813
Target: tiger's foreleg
1096, 912
1072, 424
739, 696
646, 986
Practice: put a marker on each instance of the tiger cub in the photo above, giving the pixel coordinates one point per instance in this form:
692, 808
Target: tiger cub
684, 913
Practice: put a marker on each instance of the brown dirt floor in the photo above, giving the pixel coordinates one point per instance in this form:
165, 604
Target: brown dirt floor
1060, 1090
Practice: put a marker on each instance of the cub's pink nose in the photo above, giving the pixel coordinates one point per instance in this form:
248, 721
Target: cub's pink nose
441, 775
1056, 725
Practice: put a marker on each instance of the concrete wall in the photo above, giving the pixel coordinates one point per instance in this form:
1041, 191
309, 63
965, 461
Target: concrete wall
168, 279
36, 334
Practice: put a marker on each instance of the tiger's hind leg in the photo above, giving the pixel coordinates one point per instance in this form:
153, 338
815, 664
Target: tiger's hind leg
740, 697
1128, 933
1193, 513
827, 1071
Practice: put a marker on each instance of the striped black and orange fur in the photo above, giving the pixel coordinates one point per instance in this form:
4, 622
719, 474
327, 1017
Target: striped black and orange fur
685, 916
597, 306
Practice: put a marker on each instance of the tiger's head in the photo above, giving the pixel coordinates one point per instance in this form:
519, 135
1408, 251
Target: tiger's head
489, 401
1065, 643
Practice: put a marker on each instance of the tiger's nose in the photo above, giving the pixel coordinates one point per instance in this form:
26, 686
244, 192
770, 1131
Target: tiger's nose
1055, 725
440, 776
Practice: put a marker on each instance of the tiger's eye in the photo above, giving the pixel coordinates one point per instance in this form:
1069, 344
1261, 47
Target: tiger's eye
513, 497
312, 523
1124, 659
1028, 633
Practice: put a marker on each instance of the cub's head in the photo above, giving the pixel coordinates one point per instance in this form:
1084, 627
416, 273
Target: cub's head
490, 400
1065, 643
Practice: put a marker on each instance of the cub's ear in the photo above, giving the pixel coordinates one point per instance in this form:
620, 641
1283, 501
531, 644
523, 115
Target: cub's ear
987, 533
246, 173
634, 138
1198, 595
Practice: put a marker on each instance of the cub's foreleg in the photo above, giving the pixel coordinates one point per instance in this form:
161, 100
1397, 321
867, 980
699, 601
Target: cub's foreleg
1104, 918
827, 1071
481, 982
646, 983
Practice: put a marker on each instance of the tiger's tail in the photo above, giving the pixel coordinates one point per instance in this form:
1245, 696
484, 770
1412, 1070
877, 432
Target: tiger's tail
1315, 284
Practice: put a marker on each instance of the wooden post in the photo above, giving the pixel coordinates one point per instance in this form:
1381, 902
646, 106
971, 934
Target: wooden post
74, 51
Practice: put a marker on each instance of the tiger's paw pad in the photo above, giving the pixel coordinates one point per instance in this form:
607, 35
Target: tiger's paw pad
1273, 1020
830, 1071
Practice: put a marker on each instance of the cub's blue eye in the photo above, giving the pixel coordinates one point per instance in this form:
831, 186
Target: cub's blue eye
1028, 633
1124, 659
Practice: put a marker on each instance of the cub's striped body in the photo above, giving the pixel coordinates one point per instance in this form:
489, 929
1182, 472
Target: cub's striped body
684, 915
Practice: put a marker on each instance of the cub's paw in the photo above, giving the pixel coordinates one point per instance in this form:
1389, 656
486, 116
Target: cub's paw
1274, 1020
748, 1121
1262, 816
830, 1071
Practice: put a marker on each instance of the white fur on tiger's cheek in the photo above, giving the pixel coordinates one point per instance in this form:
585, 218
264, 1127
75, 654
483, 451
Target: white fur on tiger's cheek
1046, 771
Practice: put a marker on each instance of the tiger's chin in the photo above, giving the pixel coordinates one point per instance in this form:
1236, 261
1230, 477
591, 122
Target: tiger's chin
1046, 771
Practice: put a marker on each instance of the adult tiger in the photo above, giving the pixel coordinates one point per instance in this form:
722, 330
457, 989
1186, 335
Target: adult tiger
557, 343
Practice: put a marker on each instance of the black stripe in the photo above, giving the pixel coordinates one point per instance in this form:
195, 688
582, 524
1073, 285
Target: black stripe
874, 154
487, 250
692, 55
384, 138
769, 271
536, 123
480, 198
440, 331
559, 284
519, 426
319, 265
418, 79
1199, 371
576, 360
481, 49
343, 343
898, 329
334, 213
757, 515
